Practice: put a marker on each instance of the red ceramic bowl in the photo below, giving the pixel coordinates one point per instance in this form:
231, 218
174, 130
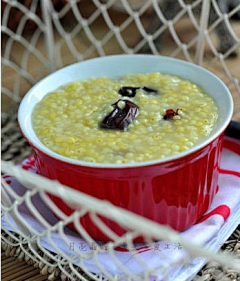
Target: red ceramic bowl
174, 191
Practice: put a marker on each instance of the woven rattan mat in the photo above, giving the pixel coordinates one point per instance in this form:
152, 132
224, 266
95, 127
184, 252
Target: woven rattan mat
14, 270
16, 266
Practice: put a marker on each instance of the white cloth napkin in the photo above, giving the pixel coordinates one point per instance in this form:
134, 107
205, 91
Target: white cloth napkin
211, 231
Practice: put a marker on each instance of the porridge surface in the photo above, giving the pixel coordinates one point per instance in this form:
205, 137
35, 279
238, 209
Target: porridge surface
68, 120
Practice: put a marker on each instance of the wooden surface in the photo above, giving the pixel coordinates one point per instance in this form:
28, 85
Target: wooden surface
13, 270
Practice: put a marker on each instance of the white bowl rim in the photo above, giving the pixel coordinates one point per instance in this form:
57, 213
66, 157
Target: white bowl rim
195, 148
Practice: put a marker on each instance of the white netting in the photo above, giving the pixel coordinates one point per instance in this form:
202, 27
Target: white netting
46, 237
39, 36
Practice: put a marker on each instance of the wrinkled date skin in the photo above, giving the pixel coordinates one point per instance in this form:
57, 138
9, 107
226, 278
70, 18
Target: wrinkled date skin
170, 113
120, 118
131, 91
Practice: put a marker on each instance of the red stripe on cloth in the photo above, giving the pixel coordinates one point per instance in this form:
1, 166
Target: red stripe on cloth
144, 250
232, 145
229, 172
6, 176
139, 250
119, 249
222, 210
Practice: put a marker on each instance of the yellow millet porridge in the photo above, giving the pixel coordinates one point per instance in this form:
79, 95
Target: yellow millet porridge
170, 117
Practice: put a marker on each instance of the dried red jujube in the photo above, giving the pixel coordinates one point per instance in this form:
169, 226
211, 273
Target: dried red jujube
170, 113
128, 91
120, 118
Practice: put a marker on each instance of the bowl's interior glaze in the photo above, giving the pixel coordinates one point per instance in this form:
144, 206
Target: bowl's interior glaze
114, 66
